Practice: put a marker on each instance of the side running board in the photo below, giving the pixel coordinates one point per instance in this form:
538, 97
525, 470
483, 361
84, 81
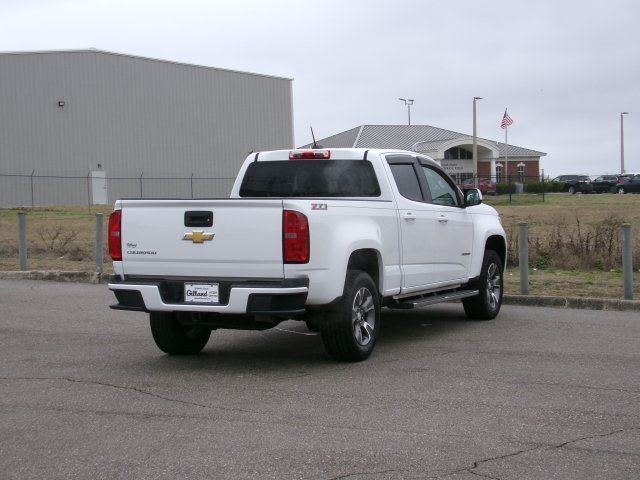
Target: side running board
431, 299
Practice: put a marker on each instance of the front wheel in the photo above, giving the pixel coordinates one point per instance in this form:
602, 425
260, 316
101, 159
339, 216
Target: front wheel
621, 191
572, 190
352, 330
486, 305
175, 338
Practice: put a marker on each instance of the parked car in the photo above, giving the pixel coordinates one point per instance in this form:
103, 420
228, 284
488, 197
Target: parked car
575, 183
630, 186
625, 177
605, 183
485, 185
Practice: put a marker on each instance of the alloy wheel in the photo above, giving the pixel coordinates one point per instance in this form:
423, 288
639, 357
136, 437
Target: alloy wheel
493, 285
363, 316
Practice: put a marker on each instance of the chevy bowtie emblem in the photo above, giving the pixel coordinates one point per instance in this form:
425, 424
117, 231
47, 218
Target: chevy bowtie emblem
198, 236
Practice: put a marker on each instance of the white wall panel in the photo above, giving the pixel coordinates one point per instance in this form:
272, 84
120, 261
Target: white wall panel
133, 115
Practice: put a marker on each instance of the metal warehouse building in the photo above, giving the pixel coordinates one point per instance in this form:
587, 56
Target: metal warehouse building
93, 126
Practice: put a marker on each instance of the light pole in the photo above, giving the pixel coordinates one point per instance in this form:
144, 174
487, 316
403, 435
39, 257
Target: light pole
408, 102
622, 114
474, 153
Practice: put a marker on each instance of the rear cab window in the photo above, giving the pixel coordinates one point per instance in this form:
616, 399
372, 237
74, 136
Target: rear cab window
310, 178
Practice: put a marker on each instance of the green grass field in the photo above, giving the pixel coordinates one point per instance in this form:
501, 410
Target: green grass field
566, 255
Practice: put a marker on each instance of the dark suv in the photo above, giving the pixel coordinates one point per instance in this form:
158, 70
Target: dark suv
605, 183
630, 186
575, 183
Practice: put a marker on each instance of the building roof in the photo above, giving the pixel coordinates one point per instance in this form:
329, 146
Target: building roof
406, 137
139, 57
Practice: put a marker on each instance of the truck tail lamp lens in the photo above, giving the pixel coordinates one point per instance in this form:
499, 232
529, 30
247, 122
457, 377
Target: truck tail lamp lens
115, 243
295, 237
309, 154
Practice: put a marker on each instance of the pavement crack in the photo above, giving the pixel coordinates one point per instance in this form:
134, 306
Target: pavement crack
589, 437
477, 463
136, 390
470, 470
353, 474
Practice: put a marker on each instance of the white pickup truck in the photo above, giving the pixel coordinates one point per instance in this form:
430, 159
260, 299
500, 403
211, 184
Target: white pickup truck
324, 236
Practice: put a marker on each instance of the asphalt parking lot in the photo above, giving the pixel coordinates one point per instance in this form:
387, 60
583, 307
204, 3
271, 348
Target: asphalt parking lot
538, 393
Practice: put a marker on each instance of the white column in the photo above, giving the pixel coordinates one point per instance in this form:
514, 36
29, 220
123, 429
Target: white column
493, 169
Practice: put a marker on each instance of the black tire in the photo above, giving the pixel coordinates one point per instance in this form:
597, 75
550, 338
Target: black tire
486, 305
175, 338
572, 190
313, 324
621, 191
350, 332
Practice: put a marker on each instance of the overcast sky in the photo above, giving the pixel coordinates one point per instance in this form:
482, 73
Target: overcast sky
564, 69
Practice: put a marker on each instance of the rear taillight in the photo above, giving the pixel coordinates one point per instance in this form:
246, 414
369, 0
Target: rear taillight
295, 237
115, 243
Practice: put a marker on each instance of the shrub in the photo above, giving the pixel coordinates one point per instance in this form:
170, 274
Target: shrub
572, 246
505, 188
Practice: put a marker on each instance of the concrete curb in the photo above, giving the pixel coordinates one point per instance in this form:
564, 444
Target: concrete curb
55, 276
527, 300
573, 302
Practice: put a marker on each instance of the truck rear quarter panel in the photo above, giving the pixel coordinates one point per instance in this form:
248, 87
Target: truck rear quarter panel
338, 230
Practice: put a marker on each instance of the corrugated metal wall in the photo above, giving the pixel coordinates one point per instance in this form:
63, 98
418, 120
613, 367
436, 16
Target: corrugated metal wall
132, 116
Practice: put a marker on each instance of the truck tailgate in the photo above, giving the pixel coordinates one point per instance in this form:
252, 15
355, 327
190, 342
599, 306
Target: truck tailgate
244, 240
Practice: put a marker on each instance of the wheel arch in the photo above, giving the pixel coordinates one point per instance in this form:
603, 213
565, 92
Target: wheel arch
369, 261
498, 244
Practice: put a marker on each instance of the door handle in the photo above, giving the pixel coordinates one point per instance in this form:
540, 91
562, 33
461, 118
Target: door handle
409, 216
442, 219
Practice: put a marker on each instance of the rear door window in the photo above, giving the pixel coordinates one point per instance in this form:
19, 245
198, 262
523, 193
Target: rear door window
310, 178
407, 181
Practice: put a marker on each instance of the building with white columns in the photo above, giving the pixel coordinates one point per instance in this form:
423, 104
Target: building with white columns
451, 149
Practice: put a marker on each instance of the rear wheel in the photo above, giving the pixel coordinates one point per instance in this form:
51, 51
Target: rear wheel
572, 190
313, 324
486, 305
175, 338
352, 330
621, 190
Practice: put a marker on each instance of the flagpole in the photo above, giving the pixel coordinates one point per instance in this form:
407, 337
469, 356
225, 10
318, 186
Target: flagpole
506, 154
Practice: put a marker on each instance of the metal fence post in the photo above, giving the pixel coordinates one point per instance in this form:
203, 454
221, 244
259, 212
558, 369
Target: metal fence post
523, 253
89, 191
32, 201
627, 261
22, 240
509, 187
99, 244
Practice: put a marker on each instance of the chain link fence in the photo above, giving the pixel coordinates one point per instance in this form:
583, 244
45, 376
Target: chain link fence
95, 188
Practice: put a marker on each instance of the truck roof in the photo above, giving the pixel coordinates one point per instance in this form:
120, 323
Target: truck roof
335, 153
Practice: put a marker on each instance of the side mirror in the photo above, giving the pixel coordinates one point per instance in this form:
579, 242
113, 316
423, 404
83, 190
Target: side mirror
472, 196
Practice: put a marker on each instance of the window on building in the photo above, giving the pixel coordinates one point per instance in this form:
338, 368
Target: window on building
465, 176
499, 173
521, 172
457, 153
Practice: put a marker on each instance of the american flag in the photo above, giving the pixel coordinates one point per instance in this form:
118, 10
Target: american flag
506, 120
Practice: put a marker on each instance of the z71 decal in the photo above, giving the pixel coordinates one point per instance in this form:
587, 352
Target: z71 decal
319, 206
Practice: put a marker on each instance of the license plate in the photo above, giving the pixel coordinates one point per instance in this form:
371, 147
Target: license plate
201, 293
